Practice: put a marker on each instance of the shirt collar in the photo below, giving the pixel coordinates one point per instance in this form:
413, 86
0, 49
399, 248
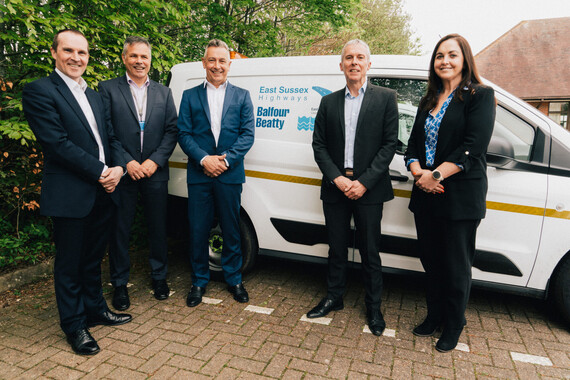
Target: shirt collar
72, 84
132, 82
212, 87
361, 91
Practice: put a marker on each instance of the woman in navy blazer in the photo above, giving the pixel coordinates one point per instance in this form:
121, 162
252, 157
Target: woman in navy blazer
446, 155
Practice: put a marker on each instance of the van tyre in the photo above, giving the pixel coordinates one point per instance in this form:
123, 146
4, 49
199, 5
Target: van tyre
560, 291
249, 248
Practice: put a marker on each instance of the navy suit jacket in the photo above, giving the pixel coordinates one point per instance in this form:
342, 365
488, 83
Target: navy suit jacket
463, 137
160, 132
71, 154
374, 143
197, 140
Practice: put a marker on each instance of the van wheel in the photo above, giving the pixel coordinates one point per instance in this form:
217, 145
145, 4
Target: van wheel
249, 247
560, 293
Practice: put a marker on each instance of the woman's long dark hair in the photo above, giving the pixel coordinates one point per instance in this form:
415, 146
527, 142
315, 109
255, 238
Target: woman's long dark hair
469, 74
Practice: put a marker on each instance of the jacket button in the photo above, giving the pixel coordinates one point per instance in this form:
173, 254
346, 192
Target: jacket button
138, 150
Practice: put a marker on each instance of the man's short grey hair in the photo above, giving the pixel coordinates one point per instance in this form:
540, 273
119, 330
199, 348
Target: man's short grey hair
355, 42
132, 40
216, 43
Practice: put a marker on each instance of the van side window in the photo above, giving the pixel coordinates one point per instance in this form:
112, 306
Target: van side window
515, 130
410, 91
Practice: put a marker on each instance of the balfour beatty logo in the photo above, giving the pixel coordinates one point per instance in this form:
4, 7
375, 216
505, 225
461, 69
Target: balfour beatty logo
268, 117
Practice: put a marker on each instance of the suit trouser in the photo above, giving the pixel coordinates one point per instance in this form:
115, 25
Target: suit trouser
154, 195
80, 245
204, 201
367, 218
447, 251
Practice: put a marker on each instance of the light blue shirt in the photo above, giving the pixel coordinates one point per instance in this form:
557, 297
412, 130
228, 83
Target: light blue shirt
352, 105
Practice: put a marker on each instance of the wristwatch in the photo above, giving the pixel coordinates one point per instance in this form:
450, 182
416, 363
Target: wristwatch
436, 174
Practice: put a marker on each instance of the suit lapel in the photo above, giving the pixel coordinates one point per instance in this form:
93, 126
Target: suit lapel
101, 126
368, 94
444, 133
70, 99
422, 119
340, 107
204, 100
228, 99
150, 100
125, 89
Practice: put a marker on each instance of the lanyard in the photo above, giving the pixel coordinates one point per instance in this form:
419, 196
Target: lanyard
140, 107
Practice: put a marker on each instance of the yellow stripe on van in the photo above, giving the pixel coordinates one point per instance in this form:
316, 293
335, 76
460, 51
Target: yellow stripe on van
283, 178
499, 206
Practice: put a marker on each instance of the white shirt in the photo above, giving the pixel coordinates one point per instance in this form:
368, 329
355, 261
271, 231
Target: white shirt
140, 98
78, 91
216, 98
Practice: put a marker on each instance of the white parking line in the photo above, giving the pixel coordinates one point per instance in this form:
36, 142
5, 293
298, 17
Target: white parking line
259, 309
387, 332
461, 347
532, 359
211, 301
320, 321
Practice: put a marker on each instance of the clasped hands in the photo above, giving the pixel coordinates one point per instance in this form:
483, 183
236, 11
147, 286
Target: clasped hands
424, 180
213, 166
111, 178
139, 171
352, 189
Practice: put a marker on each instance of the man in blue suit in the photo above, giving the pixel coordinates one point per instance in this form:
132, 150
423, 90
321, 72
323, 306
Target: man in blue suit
143, 116
216, 128
83, 165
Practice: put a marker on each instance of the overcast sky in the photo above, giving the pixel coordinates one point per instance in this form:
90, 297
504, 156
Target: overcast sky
479, 21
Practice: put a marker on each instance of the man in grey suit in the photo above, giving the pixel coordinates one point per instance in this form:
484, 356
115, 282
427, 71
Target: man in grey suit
144, 119
356, 131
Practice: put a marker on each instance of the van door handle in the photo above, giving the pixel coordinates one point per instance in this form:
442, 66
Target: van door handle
396, 176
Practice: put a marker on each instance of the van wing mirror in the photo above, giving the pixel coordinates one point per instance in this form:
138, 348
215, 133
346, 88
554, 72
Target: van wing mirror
500, 151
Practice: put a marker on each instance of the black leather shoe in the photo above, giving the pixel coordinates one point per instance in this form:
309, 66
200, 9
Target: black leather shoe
121, 300
376, 322
448, 340
161, 290
239, 292
195, 296
324, 307
82, 342
108, 318
427, 328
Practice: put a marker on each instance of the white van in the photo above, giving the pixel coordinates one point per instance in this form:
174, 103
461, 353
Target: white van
523, 245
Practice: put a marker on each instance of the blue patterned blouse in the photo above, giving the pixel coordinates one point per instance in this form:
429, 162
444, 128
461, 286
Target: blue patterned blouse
431, 128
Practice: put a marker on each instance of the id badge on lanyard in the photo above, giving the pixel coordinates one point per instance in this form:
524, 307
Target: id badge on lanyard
141, 124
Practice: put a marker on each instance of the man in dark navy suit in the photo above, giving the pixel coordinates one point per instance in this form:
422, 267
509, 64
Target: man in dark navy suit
143, 116
83, 165
216, 129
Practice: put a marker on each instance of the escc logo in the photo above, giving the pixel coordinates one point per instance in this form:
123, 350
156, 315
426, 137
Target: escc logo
307, 123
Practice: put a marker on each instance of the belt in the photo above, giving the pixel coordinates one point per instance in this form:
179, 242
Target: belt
349, 172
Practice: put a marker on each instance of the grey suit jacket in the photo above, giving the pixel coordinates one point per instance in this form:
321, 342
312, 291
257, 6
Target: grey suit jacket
374, 144
160, 132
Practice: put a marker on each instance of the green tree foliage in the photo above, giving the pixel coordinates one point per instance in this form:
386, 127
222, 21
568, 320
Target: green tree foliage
26, 32
259, 28
382, 24
178, 31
